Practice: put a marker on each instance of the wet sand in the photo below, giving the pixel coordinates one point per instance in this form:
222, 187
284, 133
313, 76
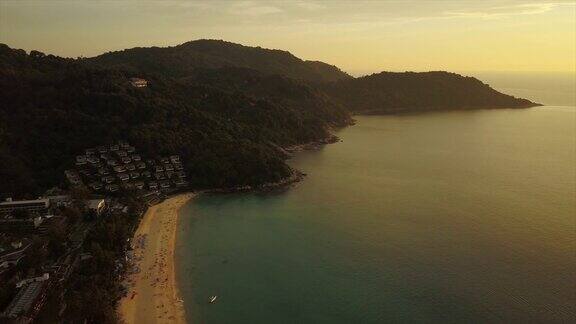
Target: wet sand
153, 295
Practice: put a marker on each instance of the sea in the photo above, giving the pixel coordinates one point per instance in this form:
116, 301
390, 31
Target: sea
448, 217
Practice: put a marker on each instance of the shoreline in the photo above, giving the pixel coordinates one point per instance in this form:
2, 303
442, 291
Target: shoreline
153, 294
402, 111
166, 305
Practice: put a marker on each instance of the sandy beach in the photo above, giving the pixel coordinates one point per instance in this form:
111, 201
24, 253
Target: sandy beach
153, 295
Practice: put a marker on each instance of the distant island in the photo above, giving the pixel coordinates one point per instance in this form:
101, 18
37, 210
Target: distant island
228, 110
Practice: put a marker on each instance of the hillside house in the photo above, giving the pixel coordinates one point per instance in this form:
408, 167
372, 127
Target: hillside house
112, 187
138, 82
97, 185
108, 179
181, 183
116, 166
80, 159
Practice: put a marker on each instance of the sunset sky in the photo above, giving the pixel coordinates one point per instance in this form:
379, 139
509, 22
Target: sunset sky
358, 36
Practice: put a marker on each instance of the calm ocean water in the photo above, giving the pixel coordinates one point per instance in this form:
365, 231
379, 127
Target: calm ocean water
464, 217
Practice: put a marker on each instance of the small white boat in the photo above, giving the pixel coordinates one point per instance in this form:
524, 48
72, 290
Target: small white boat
212, 299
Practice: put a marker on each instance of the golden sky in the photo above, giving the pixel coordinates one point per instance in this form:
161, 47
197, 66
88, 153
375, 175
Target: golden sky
358, 36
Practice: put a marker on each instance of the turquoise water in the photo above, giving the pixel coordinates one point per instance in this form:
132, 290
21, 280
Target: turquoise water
444, 217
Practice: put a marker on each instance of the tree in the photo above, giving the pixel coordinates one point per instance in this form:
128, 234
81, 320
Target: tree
21, 214
57, 240
72, 214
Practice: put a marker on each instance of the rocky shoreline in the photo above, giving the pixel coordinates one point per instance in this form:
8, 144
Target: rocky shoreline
314, 145
295, 176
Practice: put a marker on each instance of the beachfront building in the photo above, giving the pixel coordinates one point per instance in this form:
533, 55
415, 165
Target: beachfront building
17, 225
37, 207
39, 225
59, 200
28, 301
27, 281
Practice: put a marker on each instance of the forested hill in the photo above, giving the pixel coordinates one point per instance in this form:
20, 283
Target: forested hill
384, 92
54, 108
185, 59
389, 92
227, 109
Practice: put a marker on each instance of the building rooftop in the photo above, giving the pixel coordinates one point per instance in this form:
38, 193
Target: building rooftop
95, 203
25, 202
24, 300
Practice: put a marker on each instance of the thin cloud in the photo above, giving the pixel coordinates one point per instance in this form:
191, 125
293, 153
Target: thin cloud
252, 8
309, 5
506, 11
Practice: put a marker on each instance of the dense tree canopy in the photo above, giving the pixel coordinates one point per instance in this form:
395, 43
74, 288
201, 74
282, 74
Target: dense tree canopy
54, 108
184, 59
227, 109
390, 92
